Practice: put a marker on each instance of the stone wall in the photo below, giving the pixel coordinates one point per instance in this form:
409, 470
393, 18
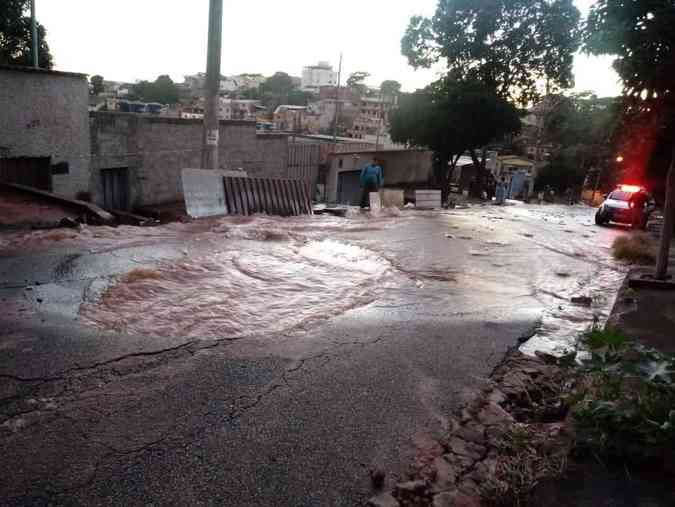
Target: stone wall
156, 149
44, 114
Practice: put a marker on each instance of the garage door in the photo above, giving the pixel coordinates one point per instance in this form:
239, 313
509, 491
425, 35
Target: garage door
30, 171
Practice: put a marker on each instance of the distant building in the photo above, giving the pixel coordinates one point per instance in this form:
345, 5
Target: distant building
291, 118
316, 76
231, 109
372, 117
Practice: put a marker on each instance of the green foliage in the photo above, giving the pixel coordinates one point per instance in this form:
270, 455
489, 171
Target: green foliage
390, 88
355, 81
298, 97
16, 38
452, 116
510, 45
640, 36
97, 83
279, 85
162, 90
609, 338
579, 128
628, 407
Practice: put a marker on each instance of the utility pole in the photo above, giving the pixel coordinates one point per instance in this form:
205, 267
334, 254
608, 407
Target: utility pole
211, 131
668, 222
33, 35
337, 104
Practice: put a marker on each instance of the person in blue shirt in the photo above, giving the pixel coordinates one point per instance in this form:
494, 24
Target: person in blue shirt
371, 181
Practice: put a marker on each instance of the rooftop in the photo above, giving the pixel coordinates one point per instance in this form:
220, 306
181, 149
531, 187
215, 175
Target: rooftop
25, 68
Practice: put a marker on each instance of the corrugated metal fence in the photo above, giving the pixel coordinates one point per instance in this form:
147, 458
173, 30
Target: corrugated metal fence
245, 196
303, 161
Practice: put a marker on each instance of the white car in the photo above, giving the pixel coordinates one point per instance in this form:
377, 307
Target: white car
628, 204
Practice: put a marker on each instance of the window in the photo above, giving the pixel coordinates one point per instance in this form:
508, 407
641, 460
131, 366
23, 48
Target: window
340, 163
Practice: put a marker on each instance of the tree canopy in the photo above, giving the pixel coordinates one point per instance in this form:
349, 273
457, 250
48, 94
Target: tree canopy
355, 81
512, 46
390, 88
16, 39
641, 38
452, 116
280, 84
162, 90
96, 83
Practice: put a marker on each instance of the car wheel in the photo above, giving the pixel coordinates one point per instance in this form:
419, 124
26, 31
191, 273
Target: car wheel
599, 219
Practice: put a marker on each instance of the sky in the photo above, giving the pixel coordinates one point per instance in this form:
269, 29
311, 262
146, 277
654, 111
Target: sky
130, 40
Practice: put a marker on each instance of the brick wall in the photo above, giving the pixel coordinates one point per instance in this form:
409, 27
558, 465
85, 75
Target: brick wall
44, 114
156, 149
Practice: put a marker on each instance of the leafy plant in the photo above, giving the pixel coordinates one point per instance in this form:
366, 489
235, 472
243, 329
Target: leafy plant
627, 408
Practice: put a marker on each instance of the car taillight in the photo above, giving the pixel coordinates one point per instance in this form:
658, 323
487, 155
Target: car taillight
631, 204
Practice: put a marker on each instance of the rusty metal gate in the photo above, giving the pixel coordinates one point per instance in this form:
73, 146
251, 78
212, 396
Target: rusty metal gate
30, 171
245, 196
115, 188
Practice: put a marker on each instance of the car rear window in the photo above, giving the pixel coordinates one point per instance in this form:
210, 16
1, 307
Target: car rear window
619, 195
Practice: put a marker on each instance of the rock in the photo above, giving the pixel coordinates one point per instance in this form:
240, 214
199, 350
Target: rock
69, 222
446, 474
496, 396
464, 448
582, 300
474, 433
492, 414
459, 462
383, 500
418, 487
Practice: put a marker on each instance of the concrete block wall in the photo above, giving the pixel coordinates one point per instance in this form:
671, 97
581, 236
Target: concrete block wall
402, 168
44, 114
156, 149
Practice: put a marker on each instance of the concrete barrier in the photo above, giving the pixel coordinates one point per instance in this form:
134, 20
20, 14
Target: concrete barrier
429, 199
203, 192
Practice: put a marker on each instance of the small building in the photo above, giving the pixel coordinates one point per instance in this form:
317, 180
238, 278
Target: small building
291, 118
407, 170
316, 76
44, 129
519, 172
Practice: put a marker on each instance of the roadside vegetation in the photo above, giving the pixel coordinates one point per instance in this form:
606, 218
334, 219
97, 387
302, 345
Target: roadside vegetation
625, 407
636, 248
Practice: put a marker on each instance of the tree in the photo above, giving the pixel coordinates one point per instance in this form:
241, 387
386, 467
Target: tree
355, 82
16, 38
578, 131
512, 46
640, 36
275, 90
97, 83
162, 90
442, 117
280, 84
390, 88
297, 97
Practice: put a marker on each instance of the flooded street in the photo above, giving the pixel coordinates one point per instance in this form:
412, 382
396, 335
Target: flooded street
263, 360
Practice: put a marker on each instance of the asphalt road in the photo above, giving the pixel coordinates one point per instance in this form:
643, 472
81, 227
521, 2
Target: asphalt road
284, 417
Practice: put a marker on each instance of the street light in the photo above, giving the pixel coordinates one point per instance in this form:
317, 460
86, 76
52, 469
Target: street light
619, 159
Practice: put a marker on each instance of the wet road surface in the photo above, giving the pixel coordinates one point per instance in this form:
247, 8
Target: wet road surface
267, 361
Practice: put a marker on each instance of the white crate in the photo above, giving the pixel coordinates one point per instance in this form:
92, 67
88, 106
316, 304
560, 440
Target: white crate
428, 199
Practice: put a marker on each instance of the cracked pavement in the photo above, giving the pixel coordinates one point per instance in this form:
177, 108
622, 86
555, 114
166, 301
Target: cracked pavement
298, 417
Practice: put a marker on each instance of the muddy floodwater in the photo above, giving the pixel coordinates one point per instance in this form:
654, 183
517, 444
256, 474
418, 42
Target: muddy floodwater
238, 276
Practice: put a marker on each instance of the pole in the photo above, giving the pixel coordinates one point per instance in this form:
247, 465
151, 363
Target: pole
337, 105
211, 132
33, 35
380, 119
668, 222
